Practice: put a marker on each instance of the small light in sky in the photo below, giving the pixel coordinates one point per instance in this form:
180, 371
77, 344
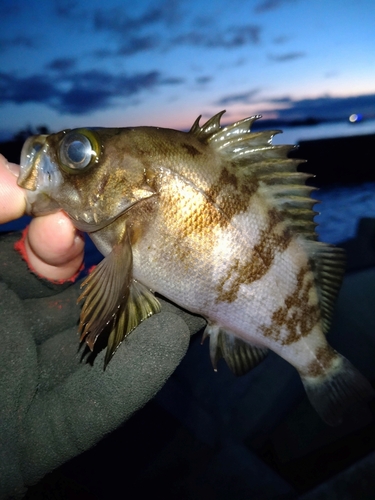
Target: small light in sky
355, 118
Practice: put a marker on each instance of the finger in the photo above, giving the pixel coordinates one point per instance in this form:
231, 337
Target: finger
54, 247
12, 198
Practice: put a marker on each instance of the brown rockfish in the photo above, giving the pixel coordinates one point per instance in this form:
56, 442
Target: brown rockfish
219, 221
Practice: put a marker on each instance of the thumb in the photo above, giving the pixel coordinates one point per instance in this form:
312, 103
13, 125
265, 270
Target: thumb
12, 198
54, 247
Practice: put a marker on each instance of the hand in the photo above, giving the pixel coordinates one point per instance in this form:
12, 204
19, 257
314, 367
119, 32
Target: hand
53, 246
55, 405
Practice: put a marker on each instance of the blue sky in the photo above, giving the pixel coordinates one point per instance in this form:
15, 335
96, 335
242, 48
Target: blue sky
116, 63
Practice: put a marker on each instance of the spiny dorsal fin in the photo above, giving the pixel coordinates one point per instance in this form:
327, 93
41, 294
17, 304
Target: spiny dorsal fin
212, 128
209, 128
255, 156
240, 356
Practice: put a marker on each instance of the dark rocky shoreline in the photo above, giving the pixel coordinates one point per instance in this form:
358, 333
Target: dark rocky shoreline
341, 160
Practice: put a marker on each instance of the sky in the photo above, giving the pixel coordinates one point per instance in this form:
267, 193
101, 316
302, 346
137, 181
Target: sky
73, 63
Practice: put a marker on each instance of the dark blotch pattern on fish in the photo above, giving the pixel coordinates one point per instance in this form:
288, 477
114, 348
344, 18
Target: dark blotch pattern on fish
192, 151
192, 224
102, 184
297, 317
271, 241
324, 356
231, 193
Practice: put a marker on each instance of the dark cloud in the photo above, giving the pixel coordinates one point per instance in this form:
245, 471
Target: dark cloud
282, 100
244, 98
290, 56
28, 89
117, 20
129, 46
134, 34
326, 107
80, 92
62, 64
267, 5
234, 36
66, 8
136, 44
201, 80
172, 81
81, 100
279, 40
17, 41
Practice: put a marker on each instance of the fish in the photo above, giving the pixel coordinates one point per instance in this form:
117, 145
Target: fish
218, 220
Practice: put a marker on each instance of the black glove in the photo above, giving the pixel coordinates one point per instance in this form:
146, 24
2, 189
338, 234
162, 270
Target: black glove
54, 405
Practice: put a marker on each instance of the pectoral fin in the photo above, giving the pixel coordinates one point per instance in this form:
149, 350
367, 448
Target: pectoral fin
113, 296
106, 288
140, 305
240, 356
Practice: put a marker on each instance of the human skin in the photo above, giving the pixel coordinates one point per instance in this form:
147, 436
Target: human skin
53, 245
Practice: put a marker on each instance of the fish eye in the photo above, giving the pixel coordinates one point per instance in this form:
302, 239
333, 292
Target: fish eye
79, 149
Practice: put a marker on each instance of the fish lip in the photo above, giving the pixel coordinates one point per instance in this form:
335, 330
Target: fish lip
39, 176
30, 157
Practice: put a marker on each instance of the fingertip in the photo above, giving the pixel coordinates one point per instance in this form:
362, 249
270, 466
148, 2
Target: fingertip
12, 197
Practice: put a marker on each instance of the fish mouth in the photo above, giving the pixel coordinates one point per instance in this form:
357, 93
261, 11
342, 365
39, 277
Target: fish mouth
39, 175
31, 161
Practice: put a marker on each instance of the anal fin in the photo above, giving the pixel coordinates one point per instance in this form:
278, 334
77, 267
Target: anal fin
239, 355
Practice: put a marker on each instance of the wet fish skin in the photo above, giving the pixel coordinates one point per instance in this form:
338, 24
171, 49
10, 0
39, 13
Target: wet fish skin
217, 220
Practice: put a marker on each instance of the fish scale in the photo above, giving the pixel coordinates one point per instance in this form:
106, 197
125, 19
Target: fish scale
219, 221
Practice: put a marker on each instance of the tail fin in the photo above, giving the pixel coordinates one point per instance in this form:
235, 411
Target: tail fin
331, 395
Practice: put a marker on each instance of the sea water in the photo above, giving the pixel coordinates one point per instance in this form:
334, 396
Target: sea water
341, 209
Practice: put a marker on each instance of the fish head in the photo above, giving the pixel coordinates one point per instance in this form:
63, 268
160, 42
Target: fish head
93, 175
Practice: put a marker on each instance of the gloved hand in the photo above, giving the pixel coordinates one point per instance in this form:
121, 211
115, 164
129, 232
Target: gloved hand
54, 405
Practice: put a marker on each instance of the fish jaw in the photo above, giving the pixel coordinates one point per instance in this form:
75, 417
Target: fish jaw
39, 176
